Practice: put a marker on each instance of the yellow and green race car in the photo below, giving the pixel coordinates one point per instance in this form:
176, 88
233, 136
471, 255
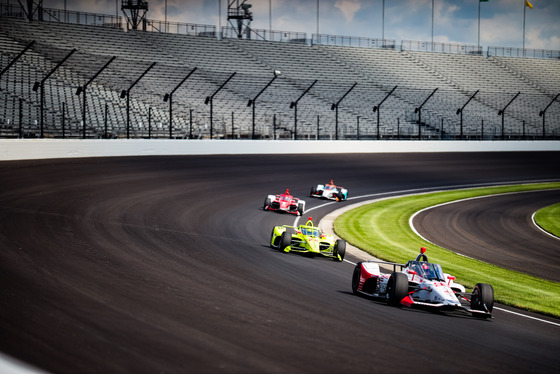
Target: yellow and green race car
307, 239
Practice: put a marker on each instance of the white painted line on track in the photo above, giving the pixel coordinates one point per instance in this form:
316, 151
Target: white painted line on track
526, 316
10, 365
541, 229
418, 191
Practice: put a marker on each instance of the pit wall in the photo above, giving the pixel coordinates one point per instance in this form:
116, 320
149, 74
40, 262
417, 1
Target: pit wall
28, 149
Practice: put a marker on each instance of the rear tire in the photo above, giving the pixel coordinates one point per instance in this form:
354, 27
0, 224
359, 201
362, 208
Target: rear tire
397, 289
340, 249
482, 298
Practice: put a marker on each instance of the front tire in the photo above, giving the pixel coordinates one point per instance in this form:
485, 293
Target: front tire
482, 298
285, 241
356, 278
339, 249
397, 289
266, 203
300, 208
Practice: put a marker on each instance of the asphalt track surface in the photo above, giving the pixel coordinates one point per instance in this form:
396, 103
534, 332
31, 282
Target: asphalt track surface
162, 264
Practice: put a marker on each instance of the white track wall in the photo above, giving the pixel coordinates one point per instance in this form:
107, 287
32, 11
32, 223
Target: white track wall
28, 149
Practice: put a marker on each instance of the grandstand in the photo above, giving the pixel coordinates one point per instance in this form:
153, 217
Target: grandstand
420, 91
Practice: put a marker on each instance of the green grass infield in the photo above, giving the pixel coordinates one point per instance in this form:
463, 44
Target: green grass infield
549, 219
382, 229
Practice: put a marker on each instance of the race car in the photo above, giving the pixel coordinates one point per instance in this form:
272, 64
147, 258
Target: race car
307, 239
285, 203
329, 191
421, 283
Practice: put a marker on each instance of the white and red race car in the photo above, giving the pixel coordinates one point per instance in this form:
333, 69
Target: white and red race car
420, 283
329, 191
284, 202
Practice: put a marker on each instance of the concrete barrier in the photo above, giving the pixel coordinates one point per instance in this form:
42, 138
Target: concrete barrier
28, 149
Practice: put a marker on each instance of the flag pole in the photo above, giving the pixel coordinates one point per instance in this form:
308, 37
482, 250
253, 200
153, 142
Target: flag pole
219, 33
478, 25
317, 19
383, 23
432, 25
524, 11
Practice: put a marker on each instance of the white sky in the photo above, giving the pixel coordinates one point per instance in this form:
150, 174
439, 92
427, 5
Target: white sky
501, 21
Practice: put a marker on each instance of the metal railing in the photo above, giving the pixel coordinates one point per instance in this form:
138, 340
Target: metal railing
520, 52
263, 34
423, 46
353, 41
180, 28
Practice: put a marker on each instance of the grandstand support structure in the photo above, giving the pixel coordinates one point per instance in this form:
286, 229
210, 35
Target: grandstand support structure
542, 114
41, 85
190, 122
82, 89
502, 112
460, 111
293, 104
126, 93
210, 99
137, 10
418, 110
335, 107
169, 96
252, 102
378, 106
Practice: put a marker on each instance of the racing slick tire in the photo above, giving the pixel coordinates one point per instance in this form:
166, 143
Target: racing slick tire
356, 278
285, 241
267, 203
313, 191
339, 249
482, 299
397, 289
301, 208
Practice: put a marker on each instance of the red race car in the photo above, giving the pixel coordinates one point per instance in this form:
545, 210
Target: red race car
284, 203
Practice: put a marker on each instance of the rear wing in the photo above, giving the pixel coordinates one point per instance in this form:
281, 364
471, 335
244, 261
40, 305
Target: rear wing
393, 264
285, 227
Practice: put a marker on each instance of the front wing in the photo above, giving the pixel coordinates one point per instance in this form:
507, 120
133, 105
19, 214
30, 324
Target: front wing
300, 245
410, 302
